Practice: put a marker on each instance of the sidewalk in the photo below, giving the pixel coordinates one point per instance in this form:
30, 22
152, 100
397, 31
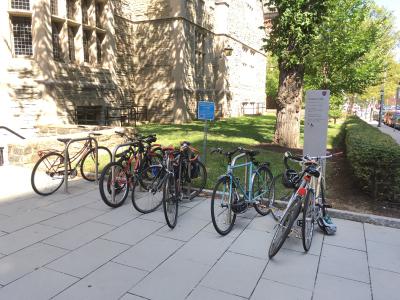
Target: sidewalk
394, 133
72, 246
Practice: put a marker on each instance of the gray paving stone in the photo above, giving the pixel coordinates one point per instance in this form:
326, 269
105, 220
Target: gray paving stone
78, 235
235, 273
238, 227
158, 215
173, 280
118, 216
384, 256
253, 243
88, 258
185, 229
129, 296
25, 261
149, 253
293, 268
111, 281
40, 284
266, 223
205, 248
69, 204
25, 237
194, 202
73, 218
349, 234
27, 205
382, 234
133, 232
23, 220
267, 289
344, 262
201, 293
385, 284
330, 287
100, 205
294, 243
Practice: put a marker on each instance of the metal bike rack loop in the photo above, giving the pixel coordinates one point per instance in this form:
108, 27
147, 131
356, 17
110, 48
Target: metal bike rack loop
114, 153
66, 159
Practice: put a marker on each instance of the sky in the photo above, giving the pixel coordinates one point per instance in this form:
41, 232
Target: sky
393, 6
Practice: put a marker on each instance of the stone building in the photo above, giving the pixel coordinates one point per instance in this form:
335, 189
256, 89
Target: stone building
66, 61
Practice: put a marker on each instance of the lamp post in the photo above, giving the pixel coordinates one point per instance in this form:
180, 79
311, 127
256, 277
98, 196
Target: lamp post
381, 107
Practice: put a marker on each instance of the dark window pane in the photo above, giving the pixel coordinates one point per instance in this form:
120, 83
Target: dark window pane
71, 44
86, 43
56, 42
85, 8
99, 41
54, 7
22, 33
71, 9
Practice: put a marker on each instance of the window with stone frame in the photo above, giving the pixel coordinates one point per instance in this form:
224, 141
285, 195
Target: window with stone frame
71, 43
199, 53
86, 45
71, 9
54, 7
22, 35
99, 42
85, 4
20, 4
55, 34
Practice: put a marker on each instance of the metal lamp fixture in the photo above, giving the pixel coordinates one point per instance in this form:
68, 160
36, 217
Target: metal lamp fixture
381, 107
228, 50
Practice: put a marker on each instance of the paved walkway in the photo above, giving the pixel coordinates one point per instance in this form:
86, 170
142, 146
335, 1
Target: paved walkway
72, 246
394, 133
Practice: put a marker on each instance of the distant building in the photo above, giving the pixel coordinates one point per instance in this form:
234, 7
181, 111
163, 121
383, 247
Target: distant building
66, 61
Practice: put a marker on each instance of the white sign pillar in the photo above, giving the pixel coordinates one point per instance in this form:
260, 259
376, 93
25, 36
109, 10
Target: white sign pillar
316, 122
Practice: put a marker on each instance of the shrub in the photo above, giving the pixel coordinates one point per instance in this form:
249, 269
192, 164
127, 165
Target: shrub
374, 158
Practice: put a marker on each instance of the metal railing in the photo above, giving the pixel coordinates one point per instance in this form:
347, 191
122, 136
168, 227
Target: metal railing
66, 159
12, 131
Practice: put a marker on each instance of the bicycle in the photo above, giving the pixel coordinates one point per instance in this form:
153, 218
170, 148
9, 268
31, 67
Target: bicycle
48, 173
230, 197
305, 187
128, 169
186, 179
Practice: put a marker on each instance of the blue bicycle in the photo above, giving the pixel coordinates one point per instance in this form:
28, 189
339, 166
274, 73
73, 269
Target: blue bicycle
231, 197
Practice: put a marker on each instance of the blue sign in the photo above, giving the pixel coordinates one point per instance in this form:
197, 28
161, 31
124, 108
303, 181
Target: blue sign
206, 110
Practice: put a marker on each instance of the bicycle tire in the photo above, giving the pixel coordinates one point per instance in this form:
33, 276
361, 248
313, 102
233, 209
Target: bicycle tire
146, 162
218, 200
48, 169
121, 185
308, 215
87, 167
196, 184
154, 195
170, 201
262, 182
286, 223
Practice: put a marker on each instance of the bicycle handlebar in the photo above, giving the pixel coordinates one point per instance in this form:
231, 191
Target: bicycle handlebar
306, 158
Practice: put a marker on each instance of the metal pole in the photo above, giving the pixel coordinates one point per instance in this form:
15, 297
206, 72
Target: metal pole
205, 142
66, 159
381, 107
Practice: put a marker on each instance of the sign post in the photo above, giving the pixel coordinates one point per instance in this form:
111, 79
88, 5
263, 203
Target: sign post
316, 123
206, 112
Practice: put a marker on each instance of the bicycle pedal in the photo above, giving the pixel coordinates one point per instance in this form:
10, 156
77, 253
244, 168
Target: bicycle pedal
300, 223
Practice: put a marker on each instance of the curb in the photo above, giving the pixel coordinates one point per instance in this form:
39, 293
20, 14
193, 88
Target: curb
354, 216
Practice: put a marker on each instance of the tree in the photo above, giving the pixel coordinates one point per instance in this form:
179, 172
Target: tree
290, 40
272, 81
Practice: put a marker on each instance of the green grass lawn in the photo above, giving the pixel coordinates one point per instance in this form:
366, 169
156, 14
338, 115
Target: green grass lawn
229, 133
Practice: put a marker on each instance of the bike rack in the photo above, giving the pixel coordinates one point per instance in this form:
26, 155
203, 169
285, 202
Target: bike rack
66, 159
114, 153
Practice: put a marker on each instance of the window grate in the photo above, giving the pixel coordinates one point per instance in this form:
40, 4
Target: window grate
99, 41
22, 33
71, 9
199, 53
86, 42
20, 4
85, 8
71, 44
54, 7
57, 52
99, 11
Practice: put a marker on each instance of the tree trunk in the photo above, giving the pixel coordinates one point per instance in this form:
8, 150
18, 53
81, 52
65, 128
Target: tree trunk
290, 93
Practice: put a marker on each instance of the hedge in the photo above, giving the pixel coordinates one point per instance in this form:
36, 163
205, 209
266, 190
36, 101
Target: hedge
374, 158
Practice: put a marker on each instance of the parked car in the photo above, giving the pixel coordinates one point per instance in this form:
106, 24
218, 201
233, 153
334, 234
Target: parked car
396, 120
388, 118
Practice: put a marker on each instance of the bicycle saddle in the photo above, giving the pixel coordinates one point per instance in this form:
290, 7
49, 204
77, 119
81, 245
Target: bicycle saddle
65, 140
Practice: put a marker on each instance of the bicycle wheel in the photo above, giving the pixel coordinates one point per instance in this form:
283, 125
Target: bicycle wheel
88, 169
307, 228
284, 227
170, 201
145, 178
48, 174
223, 197
152, 199
263, 190
194, 182
120, 183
